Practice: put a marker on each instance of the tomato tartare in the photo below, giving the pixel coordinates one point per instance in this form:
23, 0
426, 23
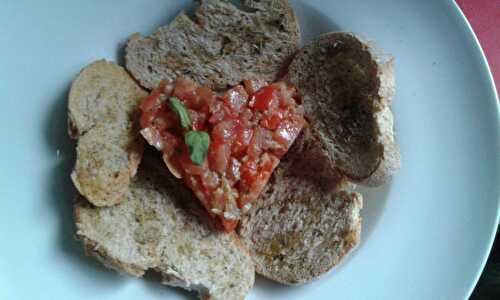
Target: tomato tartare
224, 146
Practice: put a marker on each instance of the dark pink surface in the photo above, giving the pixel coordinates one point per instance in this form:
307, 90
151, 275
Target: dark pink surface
484, 16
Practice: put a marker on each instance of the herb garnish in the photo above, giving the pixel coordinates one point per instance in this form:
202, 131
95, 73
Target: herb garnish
196, 141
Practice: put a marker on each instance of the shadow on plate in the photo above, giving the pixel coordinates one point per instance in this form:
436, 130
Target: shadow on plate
62, 195
374, 201
274, 289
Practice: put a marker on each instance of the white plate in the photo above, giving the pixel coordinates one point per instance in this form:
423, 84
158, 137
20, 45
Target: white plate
426, 236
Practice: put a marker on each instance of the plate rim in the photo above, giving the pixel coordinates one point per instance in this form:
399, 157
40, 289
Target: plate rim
491, 82
488, 83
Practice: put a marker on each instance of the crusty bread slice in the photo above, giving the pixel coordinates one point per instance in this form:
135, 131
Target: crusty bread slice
223, 45
347, 86
160, 226
300, 231
101, 107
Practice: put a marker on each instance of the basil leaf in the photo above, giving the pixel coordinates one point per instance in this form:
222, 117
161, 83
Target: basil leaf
197, 142
181, 111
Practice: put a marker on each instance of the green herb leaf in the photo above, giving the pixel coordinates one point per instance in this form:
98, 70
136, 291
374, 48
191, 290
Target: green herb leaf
179, 108
197, 142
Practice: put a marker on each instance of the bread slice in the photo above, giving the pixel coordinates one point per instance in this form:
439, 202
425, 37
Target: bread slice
102, 116
160, 226
347, 86
220, 46
300, 231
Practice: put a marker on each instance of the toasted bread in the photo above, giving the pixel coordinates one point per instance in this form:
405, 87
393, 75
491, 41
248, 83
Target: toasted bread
160, 226
300, 230
347, 86
101, 108
220, 46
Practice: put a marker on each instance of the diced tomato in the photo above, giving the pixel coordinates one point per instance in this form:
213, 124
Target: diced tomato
228, 225
258, 184
189, 167
287, 132
246, 117
170, 142
272, 121
204, 96
265, 98
198, 119
233, 171
147, 119
258, 180
218, 200
210, 180
219, 155
225, 131
261, 141
193, 182
185, 89
220, 111
165, 119
268, 163
243, 136
248, 171
236, 98
153, 100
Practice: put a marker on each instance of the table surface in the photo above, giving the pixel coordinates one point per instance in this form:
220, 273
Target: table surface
484, 17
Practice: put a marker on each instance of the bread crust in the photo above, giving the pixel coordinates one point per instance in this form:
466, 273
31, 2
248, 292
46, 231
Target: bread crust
347, 86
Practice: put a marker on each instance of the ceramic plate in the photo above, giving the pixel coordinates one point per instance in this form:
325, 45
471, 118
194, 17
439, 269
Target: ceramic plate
425, 236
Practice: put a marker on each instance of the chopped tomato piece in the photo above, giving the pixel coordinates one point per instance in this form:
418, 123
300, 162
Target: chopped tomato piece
225, 131
185, 89
219, 155
189, 167
204, 98
210, 180
287, 132
242, 140
248, 172
198, 119
265, 97
271, 122
228, 225
236, 98
153, 100
165, 119
234, 170
147, 118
